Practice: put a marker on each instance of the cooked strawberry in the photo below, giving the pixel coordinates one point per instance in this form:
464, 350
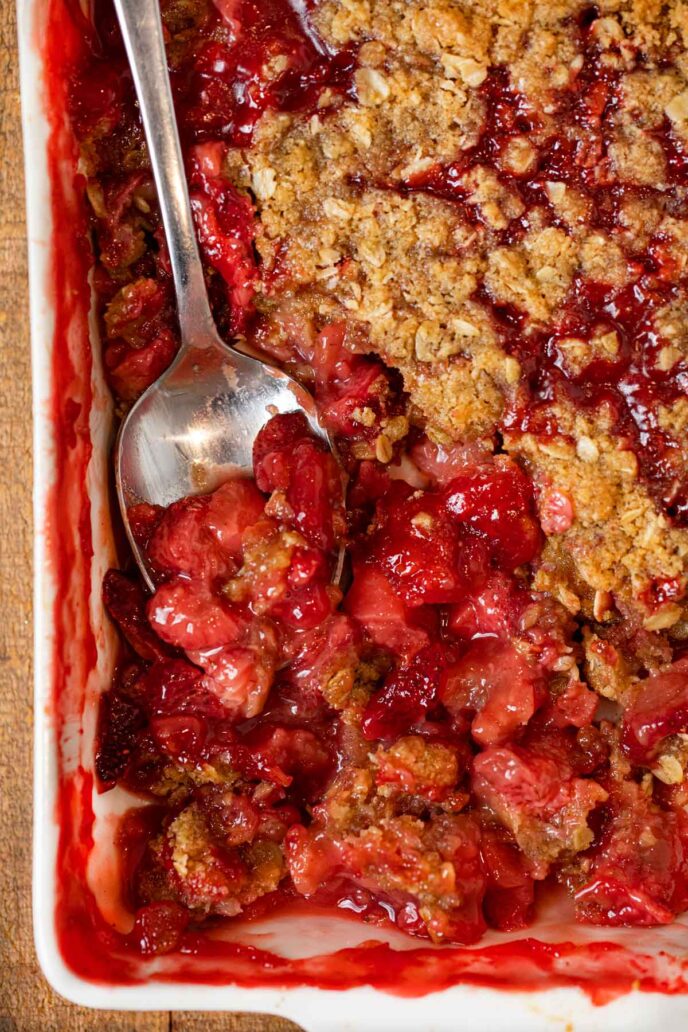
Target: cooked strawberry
348, 384
331, 360
183, 544
555, 510
496, 683
373, 603
317, 656
545, 809
441, 464
201, 536
496, 500
370, 482
240, 676
638, 871
419, 548
126, 603
119, 722
490, 609
407, 694
311, 859
305, 608
298, 752
660, 708
225, 223
314, 494
143, 520
174, 687
181, 736
288, 457
187, 615
273, 447
137, 313
576, 705
232, 508
97, 100
158, 927
132, 370
611, 901
510, 890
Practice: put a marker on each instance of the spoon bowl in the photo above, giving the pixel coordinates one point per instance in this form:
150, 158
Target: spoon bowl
194, 428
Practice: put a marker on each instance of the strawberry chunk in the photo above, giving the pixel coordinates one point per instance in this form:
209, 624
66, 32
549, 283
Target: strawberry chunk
126, 604
143, 520
201, 536
182, 544
490, 609
638, 871
188, 616
119, 722
407, 694
289, 458
659, 709
175, 687
314, 494
240, 676
135, 314
498, 684
510, 889
131, 371
576, 706
555, 509
496, 500
537, 800
158, 927
372, 602
225, 223
273, 447
419, 548
298, 752
232, 508
440, 465
317, 655
181, 736
305, 608
348, 383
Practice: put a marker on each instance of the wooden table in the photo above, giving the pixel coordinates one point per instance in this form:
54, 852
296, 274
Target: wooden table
27, 1004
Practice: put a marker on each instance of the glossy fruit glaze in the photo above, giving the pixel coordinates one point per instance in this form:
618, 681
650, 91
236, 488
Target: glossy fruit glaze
454, 690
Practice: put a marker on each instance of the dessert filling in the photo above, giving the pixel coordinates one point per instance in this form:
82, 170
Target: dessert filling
463, 226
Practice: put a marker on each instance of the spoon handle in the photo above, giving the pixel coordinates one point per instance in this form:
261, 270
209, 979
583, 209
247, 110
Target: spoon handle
141, 27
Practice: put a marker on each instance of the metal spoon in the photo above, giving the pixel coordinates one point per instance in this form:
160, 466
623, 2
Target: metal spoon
197, 423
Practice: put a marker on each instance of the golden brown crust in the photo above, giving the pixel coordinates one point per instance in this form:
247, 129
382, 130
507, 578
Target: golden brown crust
407, 267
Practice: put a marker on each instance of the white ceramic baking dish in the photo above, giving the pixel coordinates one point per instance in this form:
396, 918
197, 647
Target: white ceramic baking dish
74, 655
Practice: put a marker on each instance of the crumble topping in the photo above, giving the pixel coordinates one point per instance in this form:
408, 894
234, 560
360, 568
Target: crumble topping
351, 220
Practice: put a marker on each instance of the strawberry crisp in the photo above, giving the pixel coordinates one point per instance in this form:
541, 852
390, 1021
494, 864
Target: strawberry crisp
463, 226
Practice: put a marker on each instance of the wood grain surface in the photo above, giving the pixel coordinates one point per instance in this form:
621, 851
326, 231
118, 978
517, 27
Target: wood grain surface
27, 1004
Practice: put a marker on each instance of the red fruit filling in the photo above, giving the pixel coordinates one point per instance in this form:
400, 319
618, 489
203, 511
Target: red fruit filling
659, 709
455, 724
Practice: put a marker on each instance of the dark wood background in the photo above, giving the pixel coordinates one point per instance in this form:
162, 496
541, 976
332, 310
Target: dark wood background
27, 1004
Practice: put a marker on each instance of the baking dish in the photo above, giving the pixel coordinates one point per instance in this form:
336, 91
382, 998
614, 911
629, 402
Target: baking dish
288, 966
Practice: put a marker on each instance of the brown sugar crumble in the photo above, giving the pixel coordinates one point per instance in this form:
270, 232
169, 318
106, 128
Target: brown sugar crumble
372, 214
